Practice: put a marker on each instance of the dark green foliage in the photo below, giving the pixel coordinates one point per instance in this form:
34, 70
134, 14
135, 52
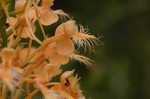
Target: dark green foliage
122, 65
4, 6
3, 25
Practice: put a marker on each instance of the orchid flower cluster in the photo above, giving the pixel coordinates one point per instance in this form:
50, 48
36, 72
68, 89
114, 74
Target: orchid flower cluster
36, 67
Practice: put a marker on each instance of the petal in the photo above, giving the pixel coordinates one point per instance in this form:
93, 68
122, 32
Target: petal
52, 71
68, 27
47, 3
20, 4
65, 46
7, 53
57, 59
47, 17
50, 50
54, 57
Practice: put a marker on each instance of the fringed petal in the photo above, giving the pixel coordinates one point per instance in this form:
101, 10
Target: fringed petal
84, 40
61, 13
83, 36
87, 61
70, 85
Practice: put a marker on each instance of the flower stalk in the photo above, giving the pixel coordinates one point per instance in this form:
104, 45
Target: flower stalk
36, 66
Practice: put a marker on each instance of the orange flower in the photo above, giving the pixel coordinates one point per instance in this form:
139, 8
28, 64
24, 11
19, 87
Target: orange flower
68, 86
8, 73
23, 24
20, 26
38, 66
43, 75
46, 15
69, 30
78, 34
61, 49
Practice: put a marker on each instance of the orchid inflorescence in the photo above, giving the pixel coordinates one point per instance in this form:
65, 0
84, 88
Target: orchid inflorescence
36, 66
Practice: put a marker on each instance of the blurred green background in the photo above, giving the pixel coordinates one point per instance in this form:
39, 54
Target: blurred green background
122, 66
